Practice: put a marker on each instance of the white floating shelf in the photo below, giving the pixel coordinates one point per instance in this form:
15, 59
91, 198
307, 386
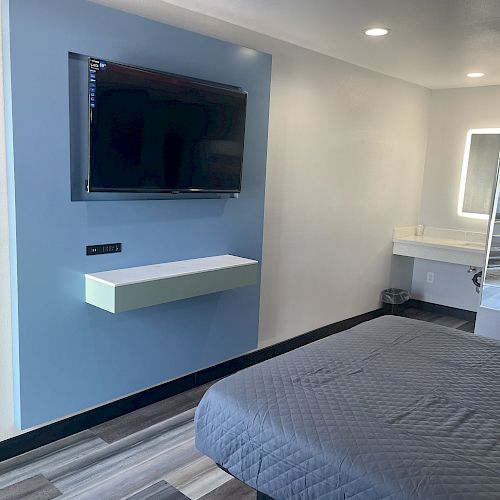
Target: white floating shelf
136, 287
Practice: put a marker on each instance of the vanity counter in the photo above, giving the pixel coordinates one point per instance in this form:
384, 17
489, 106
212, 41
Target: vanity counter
443, 245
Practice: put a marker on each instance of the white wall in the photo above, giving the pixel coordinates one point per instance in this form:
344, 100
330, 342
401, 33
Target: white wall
453, 113
7, 428
345, 165
452, 285
346, 153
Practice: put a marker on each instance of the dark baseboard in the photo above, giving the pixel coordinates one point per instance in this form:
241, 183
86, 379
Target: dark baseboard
440, 309
77, 423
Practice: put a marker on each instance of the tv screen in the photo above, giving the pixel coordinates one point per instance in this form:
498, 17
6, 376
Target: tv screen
157, 132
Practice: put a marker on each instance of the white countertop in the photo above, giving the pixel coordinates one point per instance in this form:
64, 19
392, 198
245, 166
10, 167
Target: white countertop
440, 244
469, 246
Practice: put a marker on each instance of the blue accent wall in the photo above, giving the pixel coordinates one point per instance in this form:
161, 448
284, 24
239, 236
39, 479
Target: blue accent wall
69, 355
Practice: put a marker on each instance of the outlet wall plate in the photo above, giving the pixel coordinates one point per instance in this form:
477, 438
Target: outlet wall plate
103, 249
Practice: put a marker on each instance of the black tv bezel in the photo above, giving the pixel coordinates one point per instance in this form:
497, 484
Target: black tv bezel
207, 83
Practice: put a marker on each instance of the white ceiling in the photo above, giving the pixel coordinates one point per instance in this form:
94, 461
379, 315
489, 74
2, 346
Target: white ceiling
433, 43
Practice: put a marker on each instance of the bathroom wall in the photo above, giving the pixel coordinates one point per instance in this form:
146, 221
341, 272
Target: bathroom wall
452, 285
453, 113
68, 355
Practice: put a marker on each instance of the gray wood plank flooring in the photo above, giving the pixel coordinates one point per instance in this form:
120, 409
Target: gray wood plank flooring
144, 455
135, 421
157, 491
131, 463
451, 322
34, 488
49, 458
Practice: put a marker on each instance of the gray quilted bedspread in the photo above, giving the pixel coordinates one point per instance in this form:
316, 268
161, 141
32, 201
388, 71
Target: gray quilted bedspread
391, 409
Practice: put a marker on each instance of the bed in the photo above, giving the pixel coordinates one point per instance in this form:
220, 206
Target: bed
391, 409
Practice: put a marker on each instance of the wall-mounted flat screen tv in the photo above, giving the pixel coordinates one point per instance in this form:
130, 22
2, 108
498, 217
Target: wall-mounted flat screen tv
155, 132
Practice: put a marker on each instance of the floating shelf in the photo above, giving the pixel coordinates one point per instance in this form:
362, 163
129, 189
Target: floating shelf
137, 287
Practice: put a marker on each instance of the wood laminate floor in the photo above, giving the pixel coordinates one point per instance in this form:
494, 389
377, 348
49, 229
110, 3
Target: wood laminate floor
144, 455
439, 319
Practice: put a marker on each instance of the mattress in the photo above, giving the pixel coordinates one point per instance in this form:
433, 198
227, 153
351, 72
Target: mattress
391, 409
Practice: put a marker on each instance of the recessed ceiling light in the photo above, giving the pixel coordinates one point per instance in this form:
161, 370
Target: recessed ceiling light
475, 75
377, 31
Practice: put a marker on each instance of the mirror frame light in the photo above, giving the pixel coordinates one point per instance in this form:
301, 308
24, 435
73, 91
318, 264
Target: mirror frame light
465, 166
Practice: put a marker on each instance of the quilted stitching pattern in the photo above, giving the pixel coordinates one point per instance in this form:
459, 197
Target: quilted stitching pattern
391, 409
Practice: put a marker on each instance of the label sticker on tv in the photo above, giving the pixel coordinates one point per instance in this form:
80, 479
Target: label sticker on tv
94, 65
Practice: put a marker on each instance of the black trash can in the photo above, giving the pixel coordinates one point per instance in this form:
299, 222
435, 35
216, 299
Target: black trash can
393, 300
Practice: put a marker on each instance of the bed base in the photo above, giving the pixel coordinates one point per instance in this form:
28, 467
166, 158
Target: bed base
260, 496
263, 496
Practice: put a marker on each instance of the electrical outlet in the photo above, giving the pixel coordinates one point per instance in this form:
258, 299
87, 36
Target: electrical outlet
430, 277
102, 249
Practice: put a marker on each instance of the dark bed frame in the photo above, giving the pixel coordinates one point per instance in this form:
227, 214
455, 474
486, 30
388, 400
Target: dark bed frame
260, 496
263, 496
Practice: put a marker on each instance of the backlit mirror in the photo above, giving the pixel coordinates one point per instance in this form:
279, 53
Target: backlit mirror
479, 170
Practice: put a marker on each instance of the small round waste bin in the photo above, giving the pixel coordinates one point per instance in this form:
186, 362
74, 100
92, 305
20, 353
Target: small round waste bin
393, 300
